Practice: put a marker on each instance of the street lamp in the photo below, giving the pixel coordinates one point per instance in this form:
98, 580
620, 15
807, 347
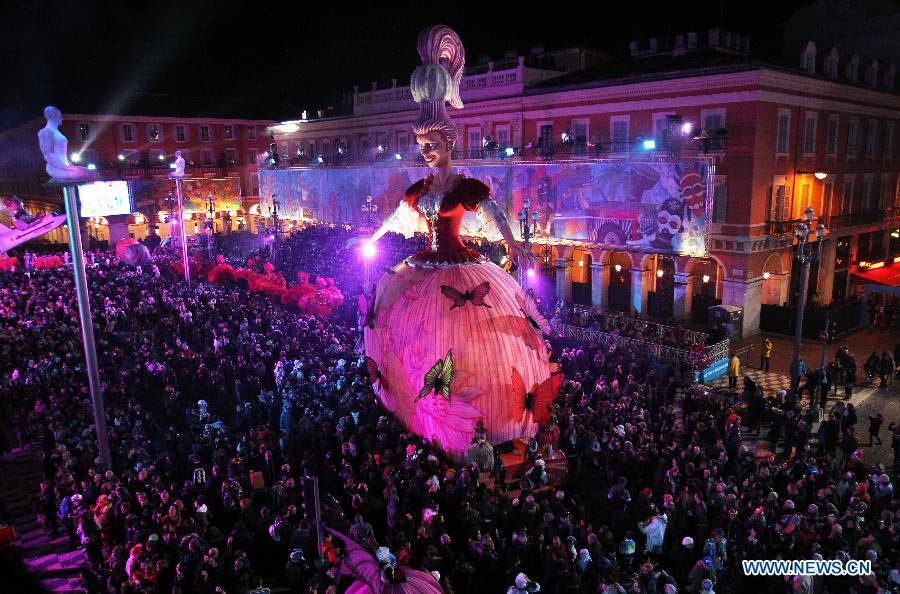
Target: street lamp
210, 223
528, 226
369, 209
806, 255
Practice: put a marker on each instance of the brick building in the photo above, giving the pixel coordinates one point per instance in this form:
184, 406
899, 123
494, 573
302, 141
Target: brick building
819, 132
139, 148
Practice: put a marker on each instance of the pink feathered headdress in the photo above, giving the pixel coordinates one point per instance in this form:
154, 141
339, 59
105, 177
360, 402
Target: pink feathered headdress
437, 81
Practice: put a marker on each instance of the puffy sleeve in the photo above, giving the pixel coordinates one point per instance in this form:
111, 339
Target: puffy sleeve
405, 220
471, 193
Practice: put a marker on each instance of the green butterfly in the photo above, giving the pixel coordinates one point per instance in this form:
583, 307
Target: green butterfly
438, 378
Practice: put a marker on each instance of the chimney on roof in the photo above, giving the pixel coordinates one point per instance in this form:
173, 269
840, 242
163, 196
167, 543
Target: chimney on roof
521, 60
355, 89
393, 83
374, 85
634, 47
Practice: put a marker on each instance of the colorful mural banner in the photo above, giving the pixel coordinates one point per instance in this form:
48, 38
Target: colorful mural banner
651, 206
149, 195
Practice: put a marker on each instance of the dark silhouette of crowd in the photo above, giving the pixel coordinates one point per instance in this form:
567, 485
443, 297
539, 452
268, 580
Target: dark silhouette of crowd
222, 407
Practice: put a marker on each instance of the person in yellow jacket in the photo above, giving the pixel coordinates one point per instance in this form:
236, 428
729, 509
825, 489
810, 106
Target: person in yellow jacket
765, 353
734, 370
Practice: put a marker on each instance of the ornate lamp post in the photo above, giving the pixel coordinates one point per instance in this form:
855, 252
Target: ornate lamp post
210, 223
369, 209
806, 255
528, 227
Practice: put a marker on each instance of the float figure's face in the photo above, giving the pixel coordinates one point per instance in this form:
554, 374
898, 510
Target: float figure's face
434, 149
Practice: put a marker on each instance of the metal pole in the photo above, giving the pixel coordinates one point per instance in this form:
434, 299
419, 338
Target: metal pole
318, 514
87, 322
801, 306
182, 233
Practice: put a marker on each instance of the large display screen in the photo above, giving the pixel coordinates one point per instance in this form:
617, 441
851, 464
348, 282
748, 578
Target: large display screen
646, 206
104, 198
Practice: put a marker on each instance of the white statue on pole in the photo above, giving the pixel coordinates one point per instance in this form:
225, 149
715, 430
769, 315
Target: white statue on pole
54, 147
179, 165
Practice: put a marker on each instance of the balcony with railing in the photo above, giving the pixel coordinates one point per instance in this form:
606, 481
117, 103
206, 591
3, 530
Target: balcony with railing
492, 83
841, 221
539, 151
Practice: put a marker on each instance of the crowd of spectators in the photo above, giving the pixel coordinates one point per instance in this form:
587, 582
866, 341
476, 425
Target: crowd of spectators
222, 405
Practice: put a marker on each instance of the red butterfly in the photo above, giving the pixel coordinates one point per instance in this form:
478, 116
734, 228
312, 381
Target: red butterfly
538, 400
476, 295
372, 370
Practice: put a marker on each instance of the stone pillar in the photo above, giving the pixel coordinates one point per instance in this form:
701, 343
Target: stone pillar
825, 282
599, 284
118, 228
684, 295
746, 295
564, 279
640, 286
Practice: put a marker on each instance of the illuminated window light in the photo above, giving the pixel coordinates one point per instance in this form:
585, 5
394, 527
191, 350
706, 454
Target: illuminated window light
705, 278
766, 275
649, 145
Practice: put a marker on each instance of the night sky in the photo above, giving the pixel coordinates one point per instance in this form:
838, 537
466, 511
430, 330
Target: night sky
273, 60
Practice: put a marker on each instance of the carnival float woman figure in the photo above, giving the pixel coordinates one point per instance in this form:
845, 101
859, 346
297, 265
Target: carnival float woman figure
451, 338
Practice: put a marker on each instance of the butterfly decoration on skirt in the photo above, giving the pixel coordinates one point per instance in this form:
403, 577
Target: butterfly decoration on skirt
476, 295
529, 308
438, 378
537, 400
372, 371
367, 308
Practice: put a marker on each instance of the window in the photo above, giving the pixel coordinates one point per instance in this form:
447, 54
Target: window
473, 135
205, 135
326, 149
889, 140
867, 195
618, 133
831, 136
871, 138
580, 133
180, 133
827, 197
208, 157
127, 131
84, 131
89, 156
809, 133
805, 196
284, 151
251, 156
403, 143
154, 132
661, 125
720, 203
228, 132
230, 156
503, 137
852, 138
847, 207
712, 119
782, 135
884, 194
251, 132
